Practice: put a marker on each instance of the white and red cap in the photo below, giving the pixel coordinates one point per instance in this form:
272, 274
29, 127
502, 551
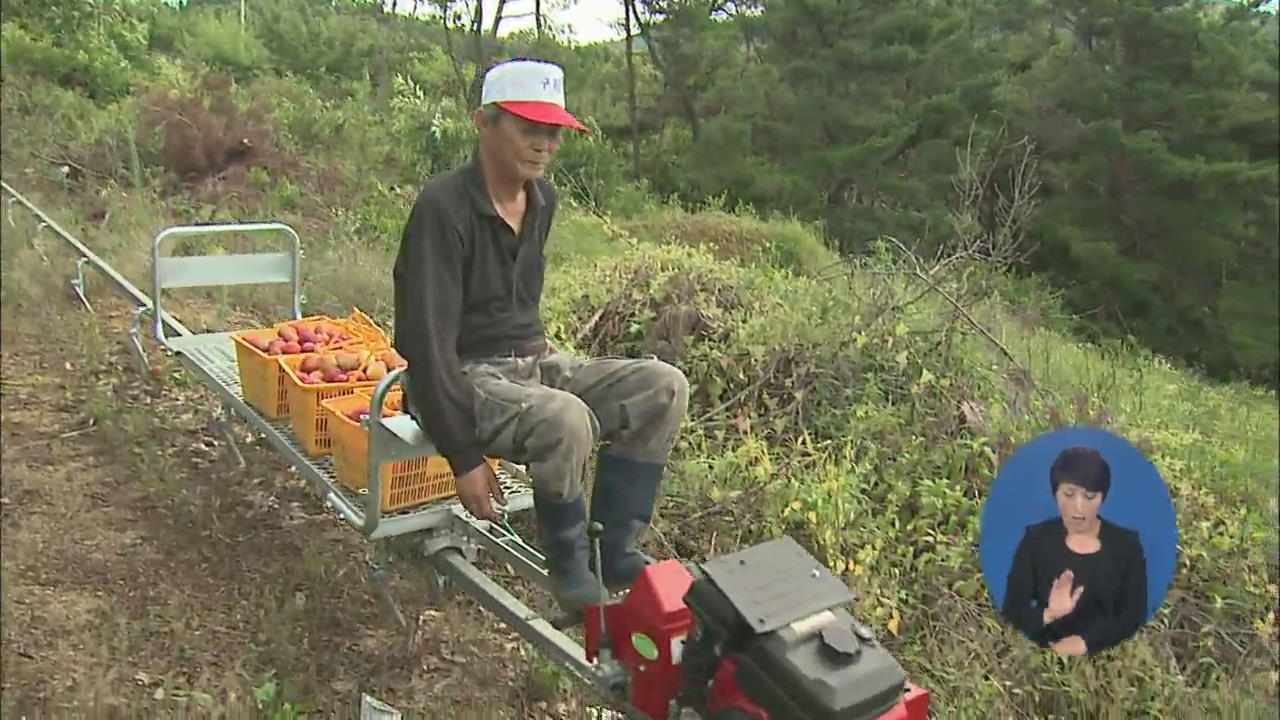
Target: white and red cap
531, 89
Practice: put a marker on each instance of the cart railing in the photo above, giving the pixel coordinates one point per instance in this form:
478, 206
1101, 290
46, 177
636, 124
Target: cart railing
258, 268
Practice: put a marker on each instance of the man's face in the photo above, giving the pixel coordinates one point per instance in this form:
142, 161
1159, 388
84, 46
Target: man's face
523, 149
1078, 507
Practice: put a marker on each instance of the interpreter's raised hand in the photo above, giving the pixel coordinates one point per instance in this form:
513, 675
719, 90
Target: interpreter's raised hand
1074, 646
1062, 599
476, 487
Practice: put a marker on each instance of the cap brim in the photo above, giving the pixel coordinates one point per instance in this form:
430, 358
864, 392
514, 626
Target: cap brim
545, 113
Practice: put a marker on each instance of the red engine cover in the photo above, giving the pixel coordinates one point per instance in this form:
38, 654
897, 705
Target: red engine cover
647, 631
725, 693
914, 705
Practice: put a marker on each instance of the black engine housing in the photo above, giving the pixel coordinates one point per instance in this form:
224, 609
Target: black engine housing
776, 610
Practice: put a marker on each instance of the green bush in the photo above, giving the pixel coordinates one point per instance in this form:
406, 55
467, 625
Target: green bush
432, 133
782, 243
316, 40
590, 169
303, 118
379, 219
91, 65
216, 39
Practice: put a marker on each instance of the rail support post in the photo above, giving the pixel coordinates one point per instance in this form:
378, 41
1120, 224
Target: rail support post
135, 339
225, 417
77, 284
382, 588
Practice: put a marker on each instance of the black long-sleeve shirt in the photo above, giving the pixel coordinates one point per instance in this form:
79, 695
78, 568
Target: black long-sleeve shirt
1114, 602
465, 287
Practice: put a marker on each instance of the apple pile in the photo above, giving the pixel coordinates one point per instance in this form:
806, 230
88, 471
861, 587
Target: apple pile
297, 338
348, 366
359, 414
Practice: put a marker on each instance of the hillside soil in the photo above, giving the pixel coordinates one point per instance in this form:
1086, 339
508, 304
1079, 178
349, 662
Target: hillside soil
142, 569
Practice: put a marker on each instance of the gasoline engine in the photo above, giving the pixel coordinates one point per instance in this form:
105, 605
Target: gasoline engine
759, 634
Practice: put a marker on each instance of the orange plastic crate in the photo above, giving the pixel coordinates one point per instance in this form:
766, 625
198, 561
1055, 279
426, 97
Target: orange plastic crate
261, 381
309, 419
404, 483
366, 328
394, 399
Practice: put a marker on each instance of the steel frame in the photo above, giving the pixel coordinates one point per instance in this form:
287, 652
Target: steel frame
451, 537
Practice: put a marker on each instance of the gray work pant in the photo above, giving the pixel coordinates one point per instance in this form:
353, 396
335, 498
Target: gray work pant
549, 411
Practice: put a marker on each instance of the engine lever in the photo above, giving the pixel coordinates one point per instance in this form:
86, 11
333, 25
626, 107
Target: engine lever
594, 531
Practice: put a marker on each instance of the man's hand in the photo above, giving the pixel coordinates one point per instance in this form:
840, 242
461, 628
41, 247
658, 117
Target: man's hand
1073, 645
475, 489
1062, 599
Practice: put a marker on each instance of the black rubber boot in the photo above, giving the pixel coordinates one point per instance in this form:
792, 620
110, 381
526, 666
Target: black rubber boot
562, 532
623, 498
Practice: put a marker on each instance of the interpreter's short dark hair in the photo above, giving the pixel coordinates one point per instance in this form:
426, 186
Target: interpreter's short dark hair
1083, 467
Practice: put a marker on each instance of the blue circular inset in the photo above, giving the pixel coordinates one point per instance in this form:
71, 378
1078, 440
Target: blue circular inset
1021, 496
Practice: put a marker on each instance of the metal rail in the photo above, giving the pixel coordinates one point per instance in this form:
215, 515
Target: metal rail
605, 680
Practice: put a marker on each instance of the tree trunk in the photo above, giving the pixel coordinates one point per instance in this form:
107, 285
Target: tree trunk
464, 91
656, 58
478, 53
627, 10
497, 18
383, 87
537, 17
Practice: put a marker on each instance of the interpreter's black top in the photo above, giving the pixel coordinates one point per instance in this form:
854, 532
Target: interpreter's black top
465, 287
1114, 602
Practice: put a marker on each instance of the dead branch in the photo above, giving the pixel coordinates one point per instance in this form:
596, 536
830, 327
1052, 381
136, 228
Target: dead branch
926, 278
991, 218
583, 333
63, 160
